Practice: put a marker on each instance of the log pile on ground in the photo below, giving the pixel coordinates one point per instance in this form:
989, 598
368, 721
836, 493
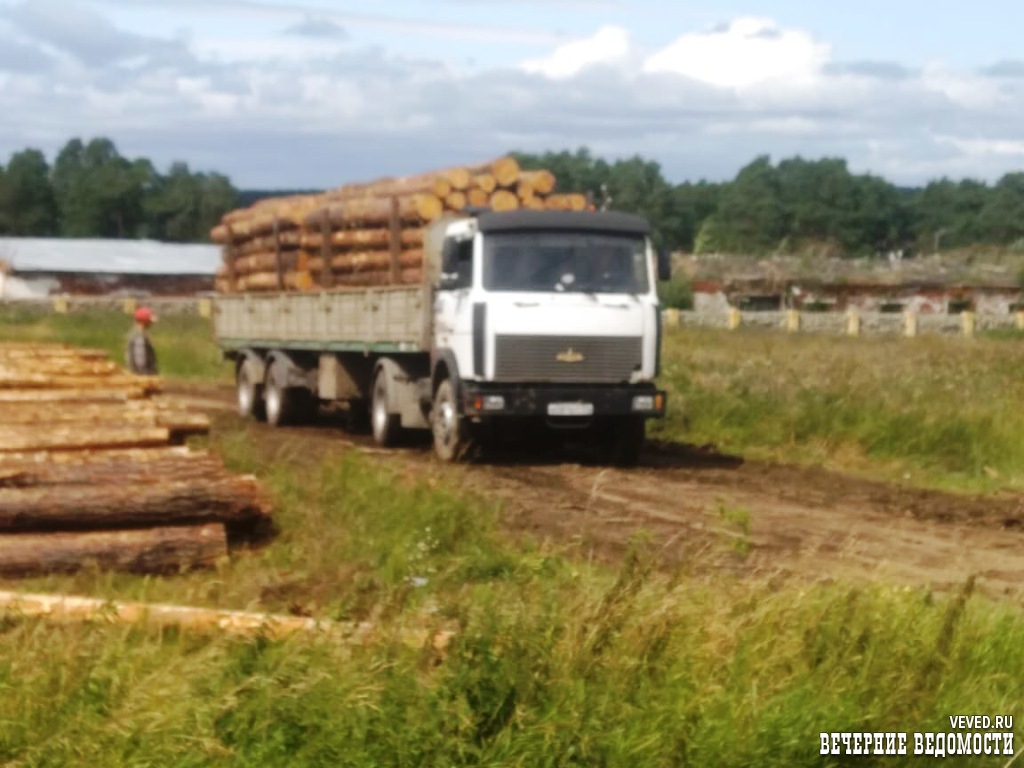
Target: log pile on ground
367, 234
93, 473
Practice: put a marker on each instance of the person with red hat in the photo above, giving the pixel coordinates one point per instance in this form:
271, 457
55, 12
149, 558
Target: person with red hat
140, 355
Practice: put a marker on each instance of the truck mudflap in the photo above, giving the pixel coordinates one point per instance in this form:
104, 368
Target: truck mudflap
555, 402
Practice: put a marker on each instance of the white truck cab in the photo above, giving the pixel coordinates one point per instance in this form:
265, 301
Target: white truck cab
545, 320
552, 316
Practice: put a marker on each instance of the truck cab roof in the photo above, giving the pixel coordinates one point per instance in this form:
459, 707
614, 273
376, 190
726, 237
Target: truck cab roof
616, 222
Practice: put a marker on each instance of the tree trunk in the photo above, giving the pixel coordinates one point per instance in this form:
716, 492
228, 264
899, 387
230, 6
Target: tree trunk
359, 261
105, 467
80, 438
177, 421
371, 239
377, 211
154, 550
168, 502
503, 200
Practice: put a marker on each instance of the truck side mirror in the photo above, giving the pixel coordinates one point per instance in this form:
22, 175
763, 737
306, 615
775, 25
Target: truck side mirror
664, 265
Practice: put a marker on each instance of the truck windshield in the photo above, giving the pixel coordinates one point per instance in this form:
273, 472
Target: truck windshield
565, 261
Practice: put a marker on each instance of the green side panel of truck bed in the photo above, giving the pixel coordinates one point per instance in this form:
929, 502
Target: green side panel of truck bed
371, 320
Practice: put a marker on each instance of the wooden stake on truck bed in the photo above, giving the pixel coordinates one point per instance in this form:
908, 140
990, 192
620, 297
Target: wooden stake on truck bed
395, 243
229, 257
326, 248
277, 254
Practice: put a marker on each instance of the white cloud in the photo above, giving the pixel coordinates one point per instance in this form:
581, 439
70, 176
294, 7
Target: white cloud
747, 52
609, 45
273, 110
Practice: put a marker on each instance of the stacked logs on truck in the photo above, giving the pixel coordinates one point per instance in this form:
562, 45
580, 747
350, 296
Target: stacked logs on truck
94, 473
367, 234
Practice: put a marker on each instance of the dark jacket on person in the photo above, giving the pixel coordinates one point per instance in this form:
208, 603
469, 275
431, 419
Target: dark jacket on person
140, 356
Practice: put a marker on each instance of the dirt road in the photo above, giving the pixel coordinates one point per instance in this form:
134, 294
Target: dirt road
709, 512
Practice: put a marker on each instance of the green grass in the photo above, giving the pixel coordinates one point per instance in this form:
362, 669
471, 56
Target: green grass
555, 662
939, 411
184, 343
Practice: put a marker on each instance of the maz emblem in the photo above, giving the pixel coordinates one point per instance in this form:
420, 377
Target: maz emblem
570, 356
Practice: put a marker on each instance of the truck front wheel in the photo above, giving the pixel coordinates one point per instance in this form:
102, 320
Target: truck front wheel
449, 427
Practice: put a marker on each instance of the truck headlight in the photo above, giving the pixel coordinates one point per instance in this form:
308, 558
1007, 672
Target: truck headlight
643, 403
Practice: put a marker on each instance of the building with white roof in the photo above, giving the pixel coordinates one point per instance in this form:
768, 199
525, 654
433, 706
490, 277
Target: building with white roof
40, 267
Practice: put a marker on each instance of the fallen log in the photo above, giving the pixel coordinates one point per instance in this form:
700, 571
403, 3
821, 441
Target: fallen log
125, 467
369, 261
227, 499
152, 550
24, 380
363, 238
484, 182
538, 182
157, 453
503, 200
118, 415
456, 201
478, 198
413, 209
105, 395
72, 438
189, 618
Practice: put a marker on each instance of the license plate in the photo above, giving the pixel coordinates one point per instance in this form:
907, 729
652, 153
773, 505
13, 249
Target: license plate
570, 409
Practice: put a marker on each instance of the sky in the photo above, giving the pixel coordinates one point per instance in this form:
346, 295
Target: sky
313, 94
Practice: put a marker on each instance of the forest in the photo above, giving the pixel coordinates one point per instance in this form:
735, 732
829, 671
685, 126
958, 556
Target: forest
792, 206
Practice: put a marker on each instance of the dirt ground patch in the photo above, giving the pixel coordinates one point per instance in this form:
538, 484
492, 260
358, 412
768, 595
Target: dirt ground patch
707, 512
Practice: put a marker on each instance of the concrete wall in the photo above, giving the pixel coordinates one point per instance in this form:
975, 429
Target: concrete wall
848, 323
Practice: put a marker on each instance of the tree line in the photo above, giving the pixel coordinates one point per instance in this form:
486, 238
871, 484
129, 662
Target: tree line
92, 191
794, 206
799, 206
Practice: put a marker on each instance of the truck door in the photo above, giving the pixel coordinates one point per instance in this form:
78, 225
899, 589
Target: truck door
453, 307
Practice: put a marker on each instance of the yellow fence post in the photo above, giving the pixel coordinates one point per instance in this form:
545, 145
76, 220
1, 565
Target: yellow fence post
734, 318
1020, 320
130, 305
206, 308
793, 320
671, 318
60, 305
910, 324
852, 322
967, 319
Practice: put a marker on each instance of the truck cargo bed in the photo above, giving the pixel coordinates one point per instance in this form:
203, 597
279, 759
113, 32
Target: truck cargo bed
375, 319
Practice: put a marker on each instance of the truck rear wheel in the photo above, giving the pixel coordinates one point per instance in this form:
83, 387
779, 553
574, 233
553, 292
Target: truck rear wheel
385, 425
450, 433
249, 392
278, 401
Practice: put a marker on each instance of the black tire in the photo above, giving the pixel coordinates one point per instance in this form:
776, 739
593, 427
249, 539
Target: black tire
386, 427
450, 429
622, 441
278, 401
359, 417
249, 392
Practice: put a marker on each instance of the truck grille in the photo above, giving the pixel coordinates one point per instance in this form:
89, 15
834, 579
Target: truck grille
567, 358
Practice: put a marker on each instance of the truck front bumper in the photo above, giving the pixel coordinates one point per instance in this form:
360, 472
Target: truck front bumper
558, 402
